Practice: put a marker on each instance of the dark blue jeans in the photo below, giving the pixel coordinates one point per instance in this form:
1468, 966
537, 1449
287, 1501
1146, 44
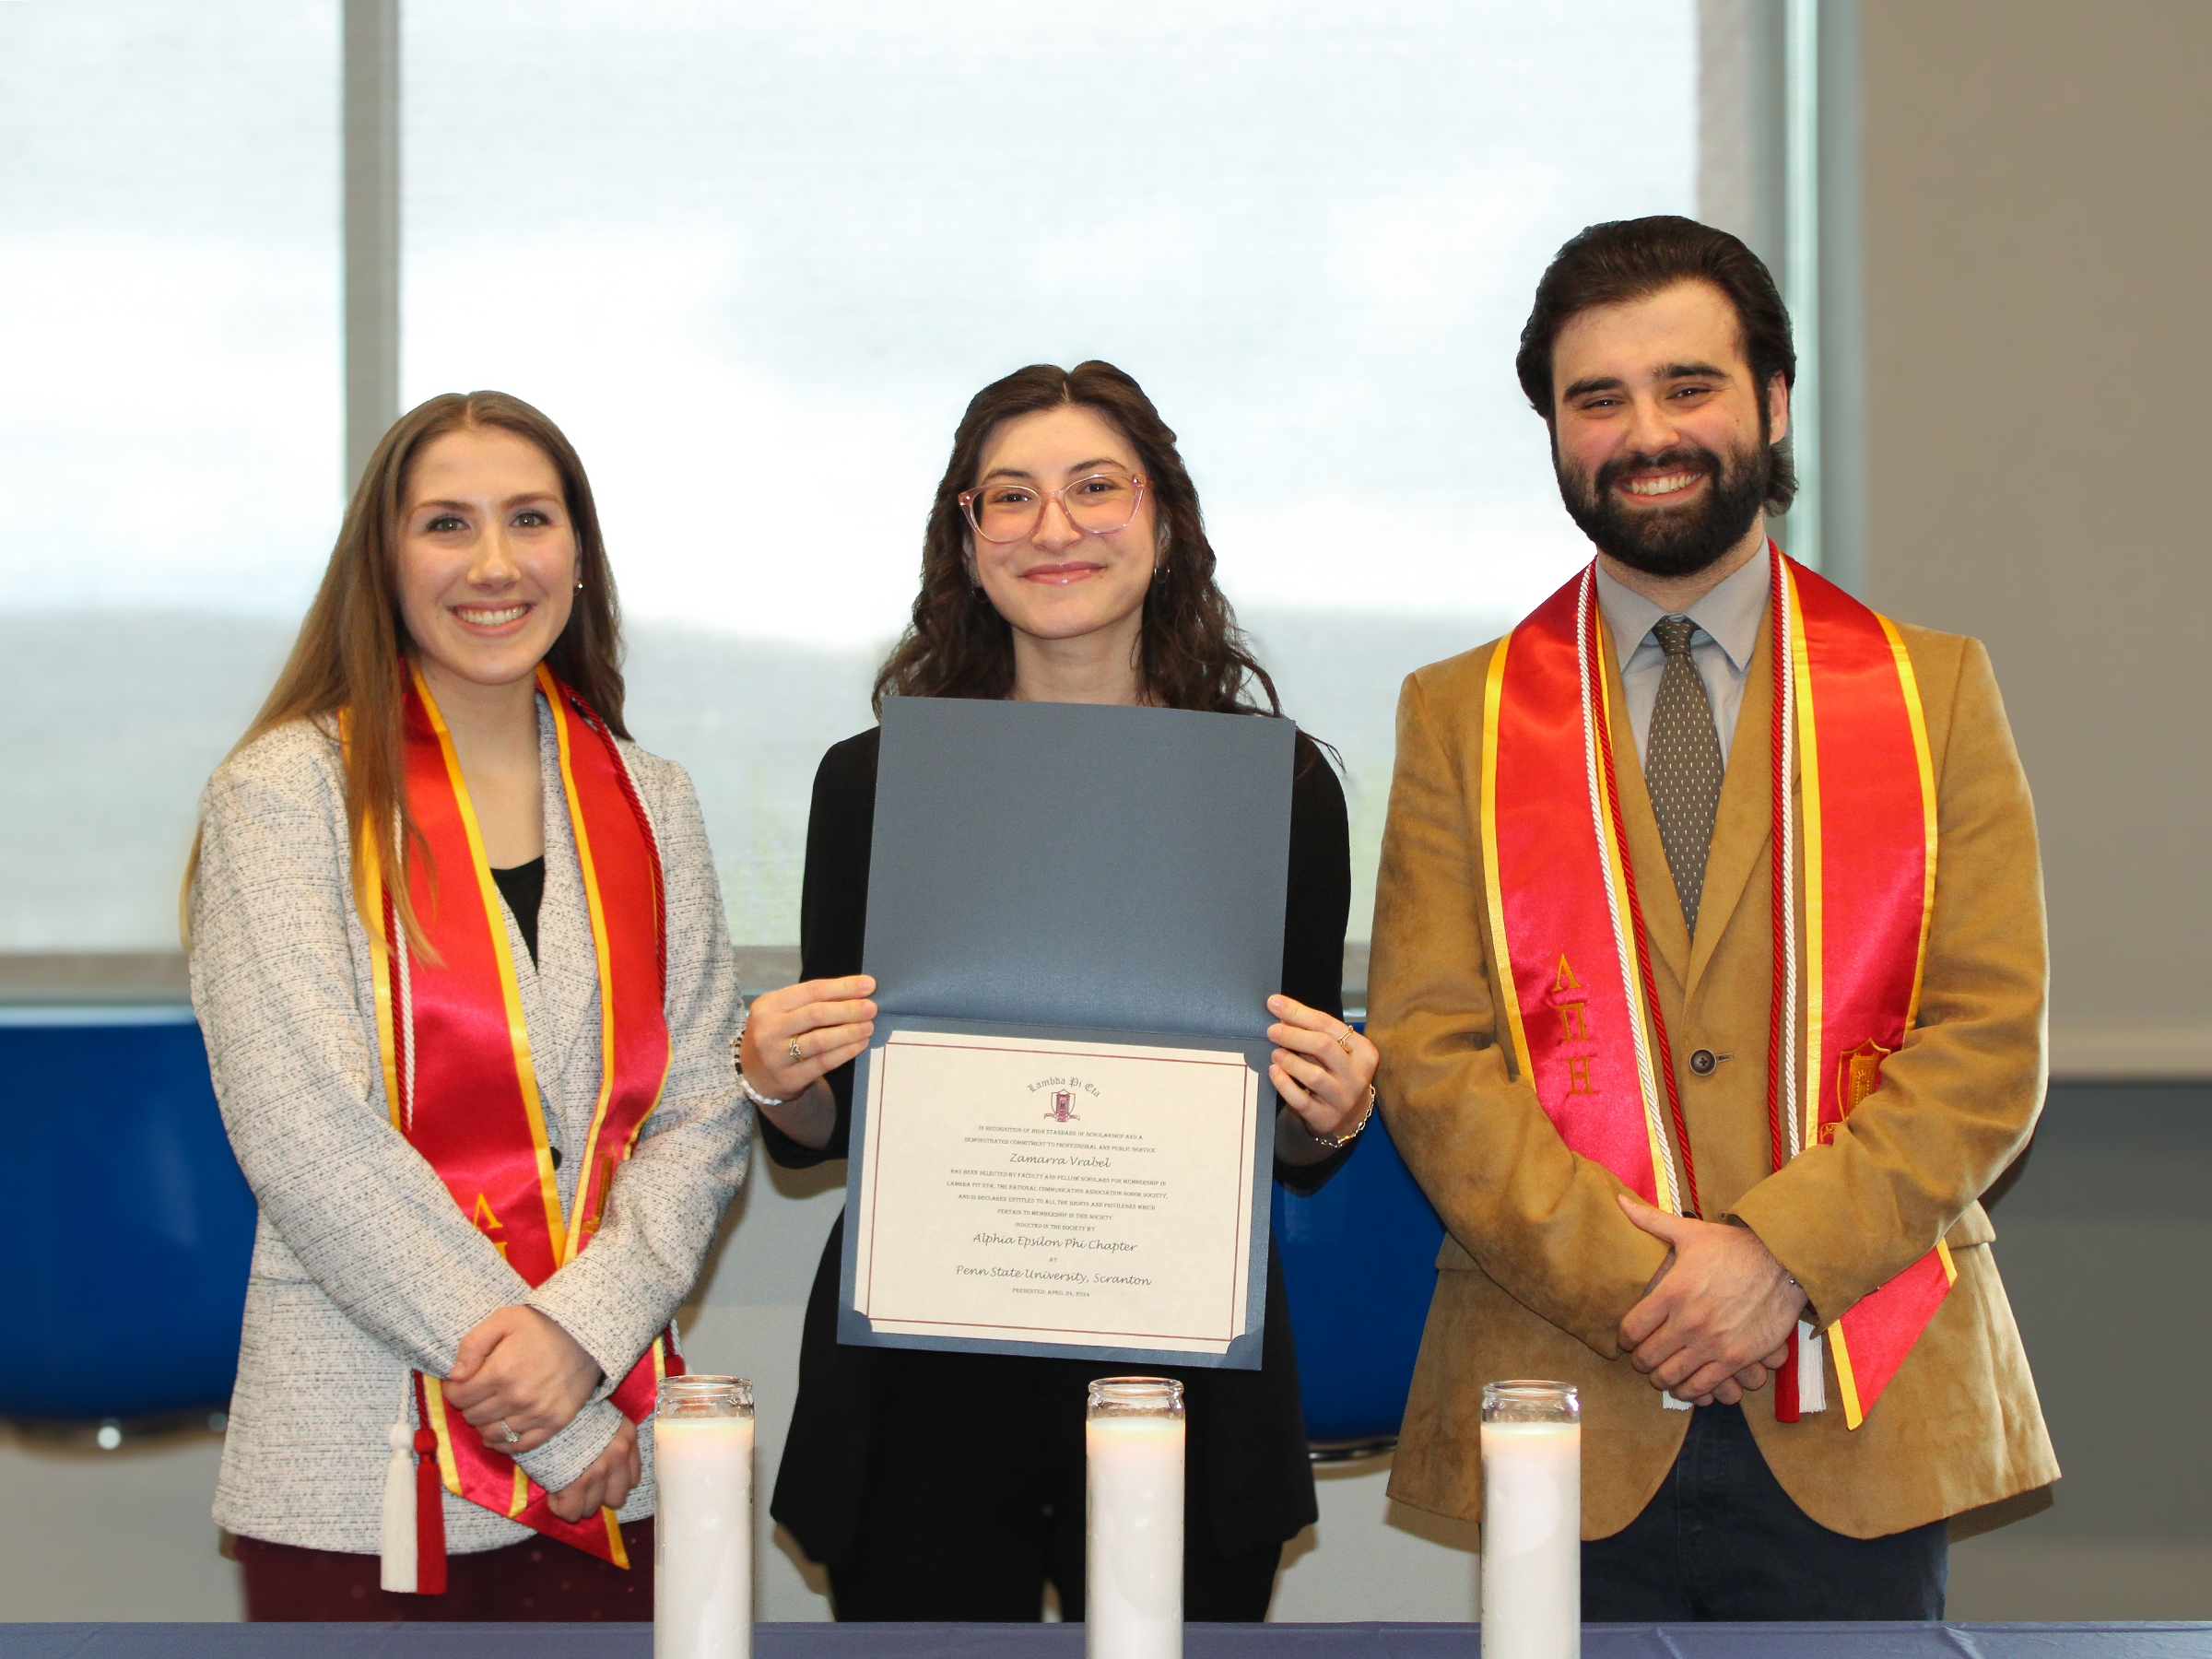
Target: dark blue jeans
1720, 1539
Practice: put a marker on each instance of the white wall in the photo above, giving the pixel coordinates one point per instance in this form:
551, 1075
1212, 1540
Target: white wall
2035, 252
119, 1535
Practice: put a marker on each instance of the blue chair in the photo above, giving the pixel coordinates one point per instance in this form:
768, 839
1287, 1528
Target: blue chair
131, 1227
1360, 1262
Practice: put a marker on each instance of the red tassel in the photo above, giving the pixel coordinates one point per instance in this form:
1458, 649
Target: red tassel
1786, 1384
430, 1517
429, 1503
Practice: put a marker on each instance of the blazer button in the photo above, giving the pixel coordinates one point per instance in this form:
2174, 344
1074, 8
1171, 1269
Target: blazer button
1702, 1062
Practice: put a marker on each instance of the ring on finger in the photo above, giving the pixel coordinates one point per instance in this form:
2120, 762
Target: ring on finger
512, 1438
1344, 1040
795, 1056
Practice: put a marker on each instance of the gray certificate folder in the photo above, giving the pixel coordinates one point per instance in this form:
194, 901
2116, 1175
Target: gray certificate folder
1078, 873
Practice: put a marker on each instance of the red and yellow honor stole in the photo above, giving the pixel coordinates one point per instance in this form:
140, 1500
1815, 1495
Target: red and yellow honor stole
1568, 922
457, 1069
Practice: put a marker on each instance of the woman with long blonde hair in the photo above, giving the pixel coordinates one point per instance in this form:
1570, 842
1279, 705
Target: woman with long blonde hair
458, 951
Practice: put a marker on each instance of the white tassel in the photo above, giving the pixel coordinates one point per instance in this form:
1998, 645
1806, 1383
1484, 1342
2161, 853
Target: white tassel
399, 1512
1674, 1404
1812, 1380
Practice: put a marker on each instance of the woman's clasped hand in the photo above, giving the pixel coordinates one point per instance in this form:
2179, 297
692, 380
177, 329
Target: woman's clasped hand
519, 1371
519, 1374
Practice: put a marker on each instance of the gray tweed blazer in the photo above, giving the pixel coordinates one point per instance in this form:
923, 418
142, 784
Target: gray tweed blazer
364, 1268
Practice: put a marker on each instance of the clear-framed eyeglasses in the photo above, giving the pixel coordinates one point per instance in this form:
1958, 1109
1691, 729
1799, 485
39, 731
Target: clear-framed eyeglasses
1098, 504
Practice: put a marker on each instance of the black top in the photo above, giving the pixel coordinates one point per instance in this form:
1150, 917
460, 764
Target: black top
523, 887
1250, 1480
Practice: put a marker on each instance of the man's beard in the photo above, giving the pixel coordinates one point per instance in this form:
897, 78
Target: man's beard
1671, 541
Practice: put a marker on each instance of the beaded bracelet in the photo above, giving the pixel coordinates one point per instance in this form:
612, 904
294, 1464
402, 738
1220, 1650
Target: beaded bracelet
738, 1066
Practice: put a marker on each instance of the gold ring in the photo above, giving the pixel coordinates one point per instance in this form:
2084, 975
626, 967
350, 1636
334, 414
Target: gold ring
1344, 1040
795, 1056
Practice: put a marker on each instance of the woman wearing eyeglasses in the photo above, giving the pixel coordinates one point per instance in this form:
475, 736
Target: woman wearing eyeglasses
1066, 562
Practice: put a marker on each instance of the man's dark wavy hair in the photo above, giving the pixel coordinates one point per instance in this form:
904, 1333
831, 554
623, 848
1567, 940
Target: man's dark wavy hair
1624, 260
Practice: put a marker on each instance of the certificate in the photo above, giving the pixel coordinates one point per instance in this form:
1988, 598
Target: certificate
1062, 1131
1077, 1195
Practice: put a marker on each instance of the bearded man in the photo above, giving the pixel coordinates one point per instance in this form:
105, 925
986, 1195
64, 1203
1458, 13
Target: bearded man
1708, 978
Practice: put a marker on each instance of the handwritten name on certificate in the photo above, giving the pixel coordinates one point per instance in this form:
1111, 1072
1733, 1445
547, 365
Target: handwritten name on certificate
1088, 1194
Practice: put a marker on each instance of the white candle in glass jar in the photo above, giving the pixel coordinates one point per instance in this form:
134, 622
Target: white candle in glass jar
1532, 1551
702, 1593
1133, 1576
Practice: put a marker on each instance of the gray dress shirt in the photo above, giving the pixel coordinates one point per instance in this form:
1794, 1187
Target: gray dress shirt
1727, 622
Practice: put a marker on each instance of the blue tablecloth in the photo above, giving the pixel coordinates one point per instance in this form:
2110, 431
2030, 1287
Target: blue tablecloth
2169, 1641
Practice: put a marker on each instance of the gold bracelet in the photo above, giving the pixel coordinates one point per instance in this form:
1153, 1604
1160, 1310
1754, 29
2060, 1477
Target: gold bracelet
1336, 1143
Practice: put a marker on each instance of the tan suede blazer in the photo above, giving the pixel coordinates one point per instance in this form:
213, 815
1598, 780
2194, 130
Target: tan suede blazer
1538, 1264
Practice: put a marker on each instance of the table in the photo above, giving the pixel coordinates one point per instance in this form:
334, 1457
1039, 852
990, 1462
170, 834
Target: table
2159, 1641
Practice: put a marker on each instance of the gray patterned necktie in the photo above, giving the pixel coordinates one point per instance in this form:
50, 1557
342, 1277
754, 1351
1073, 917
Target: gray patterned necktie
1682, 765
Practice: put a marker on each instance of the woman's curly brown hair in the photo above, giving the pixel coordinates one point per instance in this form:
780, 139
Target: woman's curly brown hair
1191, 654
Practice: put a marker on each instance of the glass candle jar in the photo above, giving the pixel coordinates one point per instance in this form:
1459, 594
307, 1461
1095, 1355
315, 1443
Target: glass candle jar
702, 1532
1532, 1520
1133, 1574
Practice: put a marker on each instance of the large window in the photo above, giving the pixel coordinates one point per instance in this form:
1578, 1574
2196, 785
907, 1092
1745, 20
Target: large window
755, 258
168, 426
